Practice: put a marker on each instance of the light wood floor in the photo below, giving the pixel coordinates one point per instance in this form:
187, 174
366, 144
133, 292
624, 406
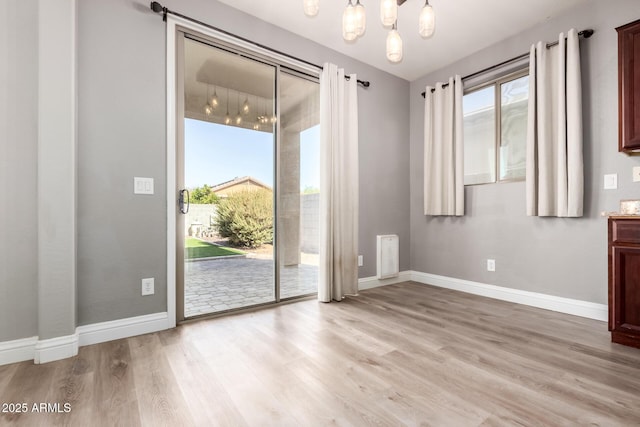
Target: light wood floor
406, 354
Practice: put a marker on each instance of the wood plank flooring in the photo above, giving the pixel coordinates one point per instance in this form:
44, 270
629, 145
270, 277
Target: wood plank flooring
406, 354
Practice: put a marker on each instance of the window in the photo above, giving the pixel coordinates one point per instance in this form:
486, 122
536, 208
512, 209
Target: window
495, 130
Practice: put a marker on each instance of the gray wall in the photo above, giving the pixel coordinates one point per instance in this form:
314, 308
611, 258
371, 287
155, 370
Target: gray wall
563, 257
121, 72
18, 169
121, 134
121, 122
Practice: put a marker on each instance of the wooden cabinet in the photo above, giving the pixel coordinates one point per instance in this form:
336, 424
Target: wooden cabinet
629, 87
624, 280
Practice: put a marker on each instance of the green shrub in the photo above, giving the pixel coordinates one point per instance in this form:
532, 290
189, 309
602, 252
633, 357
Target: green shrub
203, 196
246, 218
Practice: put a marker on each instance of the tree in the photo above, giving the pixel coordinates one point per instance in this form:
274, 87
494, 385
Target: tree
203, 196
246, 218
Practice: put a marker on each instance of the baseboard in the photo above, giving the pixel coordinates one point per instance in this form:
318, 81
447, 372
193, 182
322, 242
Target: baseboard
374, 282
54, 349
42, 351
122, 328
17, 350
549, 302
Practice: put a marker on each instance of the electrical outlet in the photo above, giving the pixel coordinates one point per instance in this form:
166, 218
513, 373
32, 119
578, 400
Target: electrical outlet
360, 261
148, 286
636, 174
491, 265
611, 181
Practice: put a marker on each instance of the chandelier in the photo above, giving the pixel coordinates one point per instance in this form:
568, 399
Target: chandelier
248, 114
354, 21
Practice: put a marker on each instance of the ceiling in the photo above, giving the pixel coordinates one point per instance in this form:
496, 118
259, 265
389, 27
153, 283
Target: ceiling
234, 80
462, 28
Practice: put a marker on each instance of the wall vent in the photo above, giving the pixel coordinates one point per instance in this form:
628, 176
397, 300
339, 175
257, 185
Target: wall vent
388, 258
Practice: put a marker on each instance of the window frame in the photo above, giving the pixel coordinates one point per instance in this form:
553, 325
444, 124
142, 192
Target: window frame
497, 85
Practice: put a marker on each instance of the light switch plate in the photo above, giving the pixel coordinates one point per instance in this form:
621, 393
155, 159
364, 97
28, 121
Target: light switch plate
142, 185
611, 181
636, 174
360, 261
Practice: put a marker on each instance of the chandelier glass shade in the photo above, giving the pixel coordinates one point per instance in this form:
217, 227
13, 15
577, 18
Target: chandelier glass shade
214, 100
427, 21
388, 12
227, 117
354, 22
361, 19
245, 106
394, 45
238, 119
349, 30
311, 7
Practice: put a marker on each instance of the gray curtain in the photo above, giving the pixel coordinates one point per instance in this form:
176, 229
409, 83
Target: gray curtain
554, 135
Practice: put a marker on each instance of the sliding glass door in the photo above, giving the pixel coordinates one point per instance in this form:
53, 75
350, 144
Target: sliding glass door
248, 184
299, 189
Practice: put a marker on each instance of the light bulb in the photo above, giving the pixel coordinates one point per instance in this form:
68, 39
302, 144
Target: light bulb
388, 12
394, 46
361, 19
214, 100
208, 110
256, 126
245, 106
349, 32
227, 117
311, 7
273, 119
427, 21
238, 119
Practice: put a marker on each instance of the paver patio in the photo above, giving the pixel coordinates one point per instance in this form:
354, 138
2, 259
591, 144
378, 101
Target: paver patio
224, 284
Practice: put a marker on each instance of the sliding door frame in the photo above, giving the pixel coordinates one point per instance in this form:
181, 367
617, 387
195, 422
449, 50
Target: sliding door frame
175, 129
179, 174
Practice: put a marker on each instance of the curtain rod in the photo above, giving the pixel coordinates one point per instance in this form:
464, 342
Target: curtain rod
158, 8
584, 33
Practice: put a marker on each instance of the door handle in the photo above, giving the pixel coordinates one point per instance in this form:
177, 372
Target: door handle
183, 202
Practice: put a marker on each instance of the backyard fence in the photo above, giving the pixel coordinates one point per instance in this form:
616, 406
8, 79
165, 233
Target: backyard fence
201, 218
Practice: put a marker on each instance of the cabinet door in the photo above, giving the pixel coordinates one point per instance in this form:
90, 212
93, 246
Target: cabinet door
629, 86
626, 290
